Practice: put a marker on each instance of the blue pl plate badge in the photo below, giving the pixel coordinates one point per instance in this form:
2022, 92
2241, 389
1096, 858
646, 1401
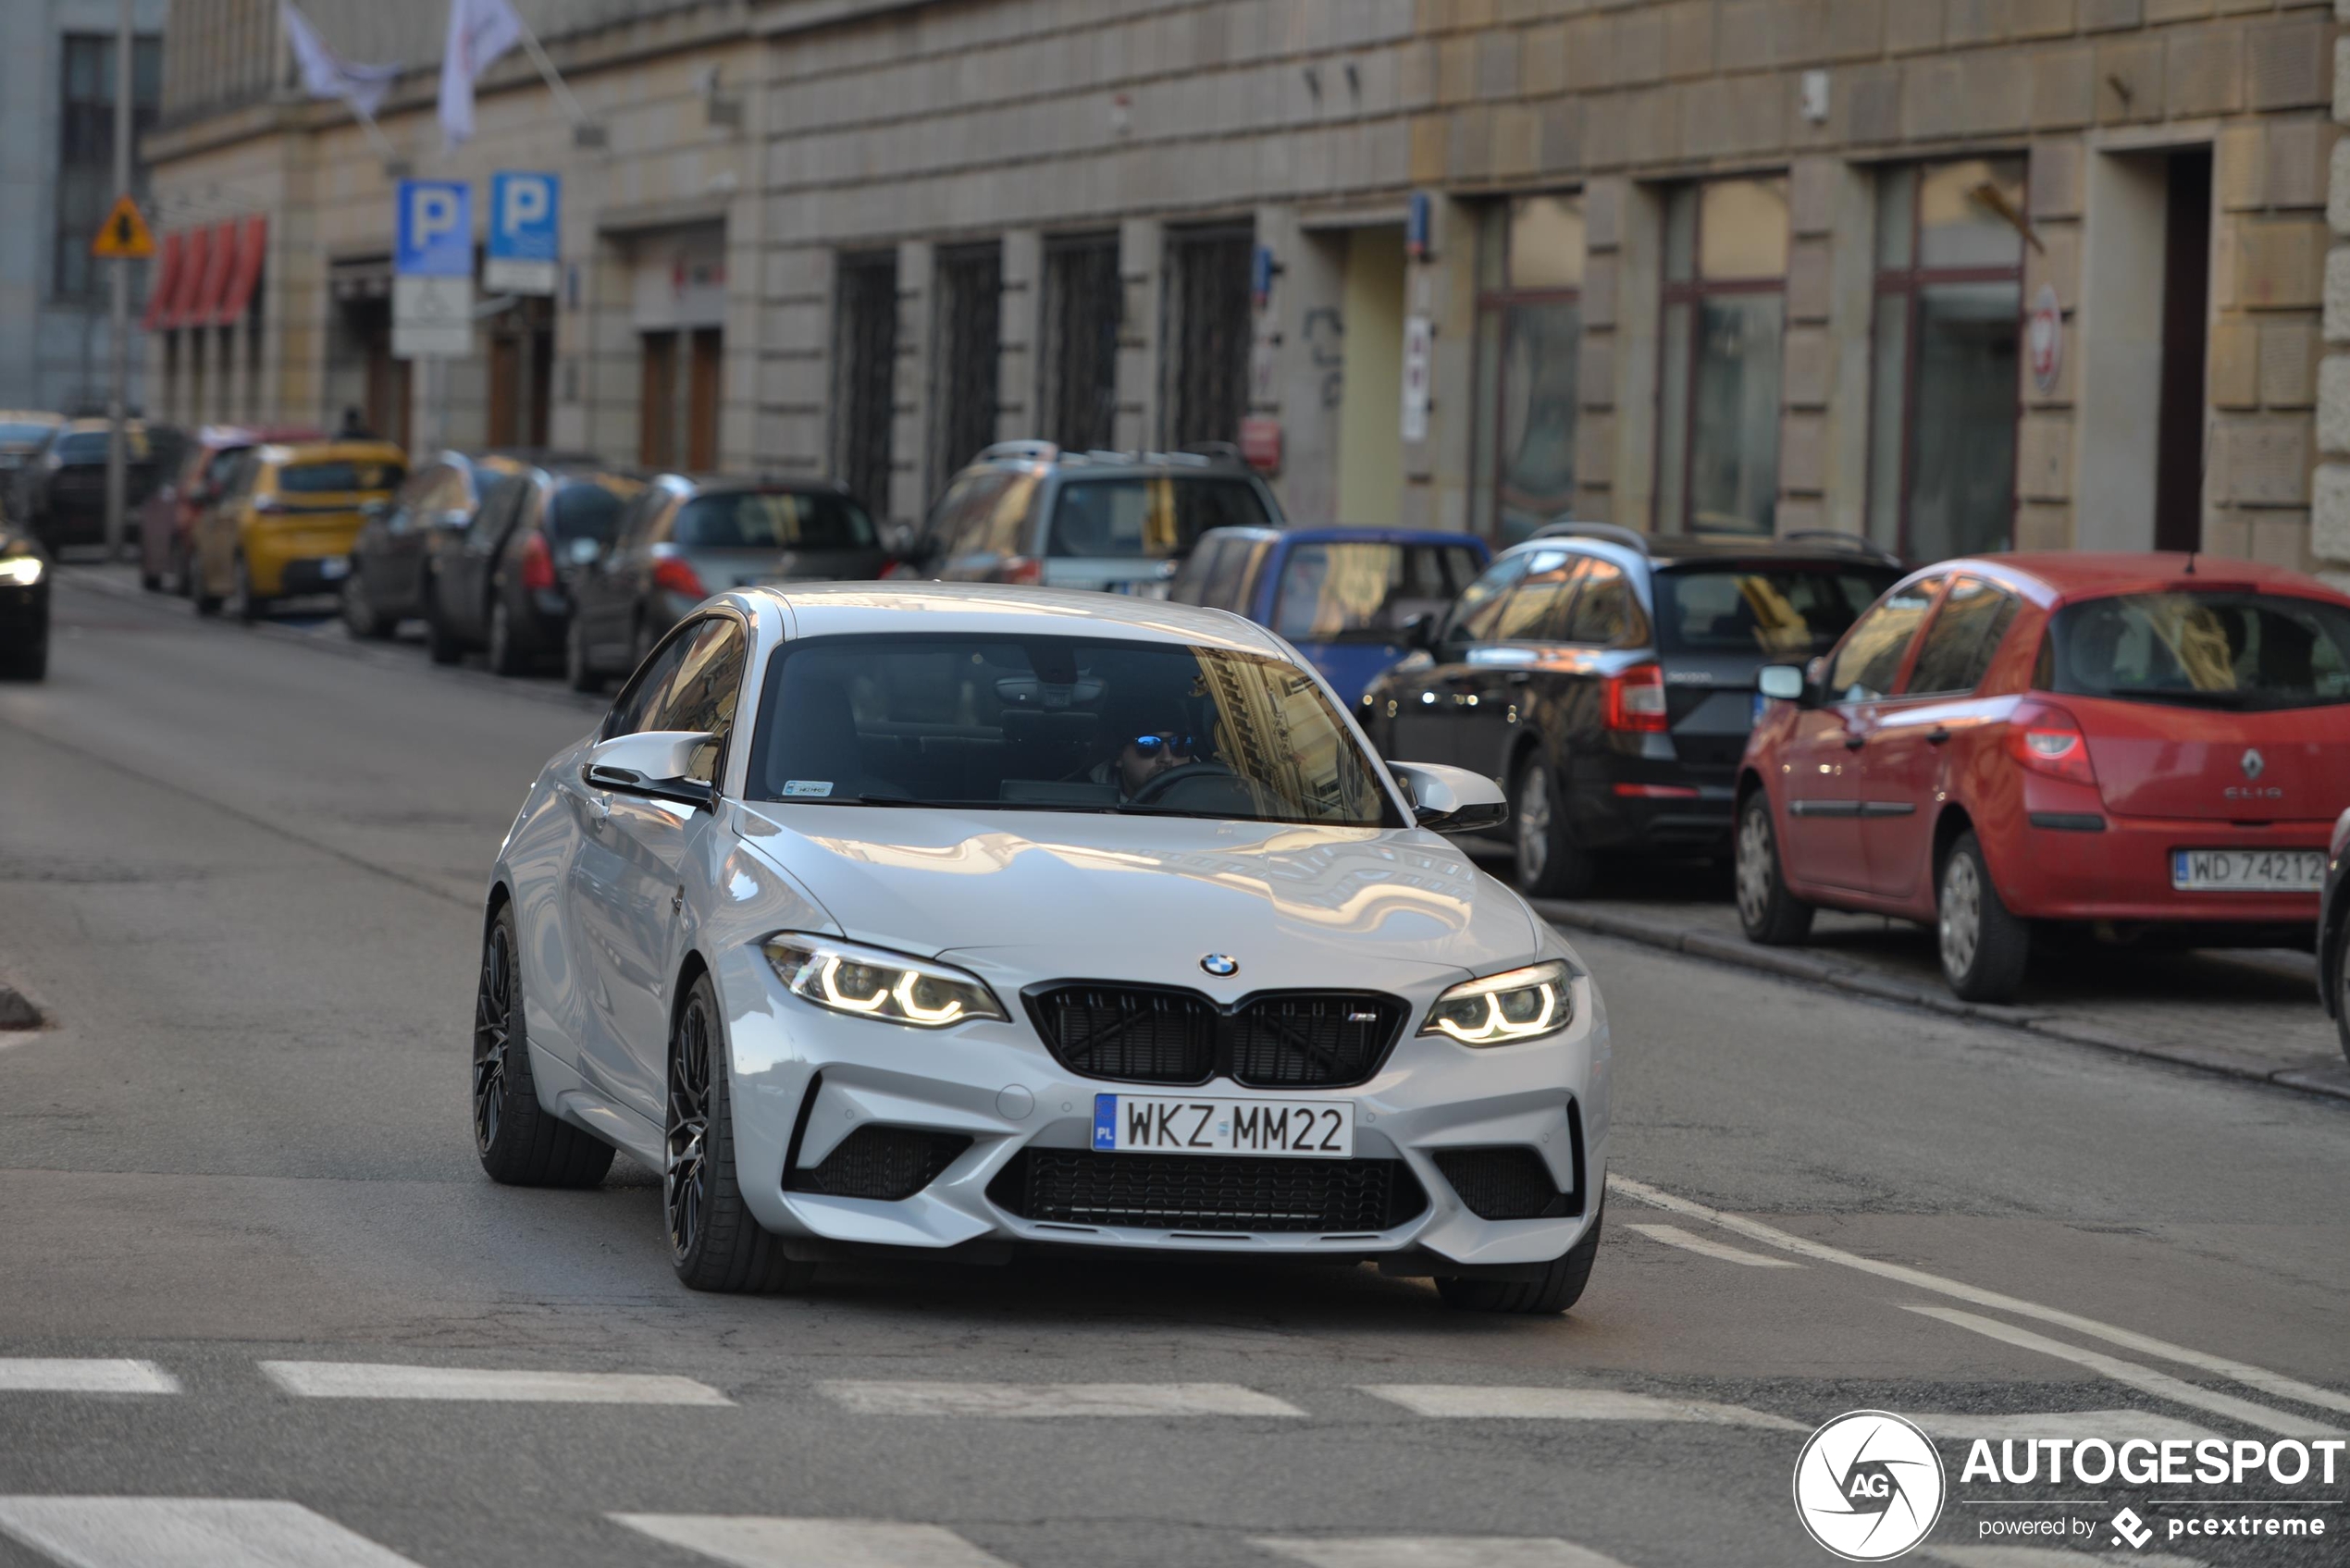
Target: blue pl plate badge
1106, 1123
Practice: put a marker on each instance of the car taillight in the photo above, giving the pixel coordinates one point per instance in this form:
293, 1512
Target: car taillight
2049, 740
678, 578
1636, 700
1026, 570
537, 565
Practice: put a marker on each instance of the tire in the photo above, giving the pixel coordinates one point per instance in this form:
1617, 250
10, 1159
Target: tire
521, 1144
440, 642
1560, 1287
2341, 985
1984, 950
1770, 916
1550, 863
244, 604
505, 659
26, 663
714, 1242
578, 672
360, 616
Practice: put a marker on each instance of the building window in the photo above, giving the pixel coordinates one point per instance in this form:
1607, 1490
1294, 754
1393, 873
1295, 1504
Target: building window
1725, 246
1529, 342
1944, 402
1209, 324
1077, 381
864, 376
85, 147
967, 321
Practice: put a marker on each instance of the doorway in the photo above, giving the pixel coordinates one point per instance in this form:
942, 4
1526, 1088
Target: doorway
2186, 310
679, 411
522, 365
1371, 446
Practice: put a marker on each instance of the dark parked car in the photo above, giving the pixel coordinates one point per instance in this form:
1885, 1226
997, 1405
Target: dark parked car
508, 584
1341, 595
23, 432
2333, 933
24, 605
1027, 512
407, 540
1609, 680
682, 539
167, 520
60, 492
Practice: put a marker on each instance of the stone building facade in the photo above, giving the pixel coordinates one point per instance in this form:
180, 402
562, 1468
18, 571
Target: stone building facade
1952, 273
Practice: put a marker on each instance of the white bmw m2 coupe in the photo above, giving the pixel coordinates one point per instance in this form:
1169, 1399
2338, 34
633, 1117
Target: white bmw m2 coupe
968, 918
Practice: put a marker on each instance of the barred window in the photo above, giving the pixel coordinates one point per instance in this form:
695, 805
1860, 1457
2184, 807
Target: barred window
864, 376
1077, 395
967, 328
1209, 324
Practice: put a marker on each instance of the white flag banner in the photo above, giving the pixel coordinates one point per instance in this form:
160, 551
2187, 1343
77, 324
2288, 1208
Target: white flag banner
326, 74
480, 32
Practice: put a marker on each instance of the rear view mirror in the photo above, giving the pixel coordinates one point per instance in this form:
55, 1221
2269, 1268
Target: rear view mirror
651, 763
1450, 799
1783, 682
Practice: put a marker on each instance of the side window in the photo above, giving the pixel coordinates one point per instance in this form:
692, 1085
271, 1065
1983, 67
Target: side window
1252, 573
1223, 590
632, 713
1537, 608
1959, 647
1004, 529
962, 523
1480, 603
500, 496
1190, 583
702, 694
1607, 612
1870, 657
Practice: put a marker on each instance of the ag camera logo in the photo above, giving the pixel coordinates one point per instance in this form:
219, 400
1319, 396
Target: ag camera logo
1869, 1486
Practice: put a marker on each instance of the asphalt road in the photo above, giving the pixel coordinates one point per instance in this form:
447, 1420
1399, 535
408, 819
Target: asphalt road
244, 876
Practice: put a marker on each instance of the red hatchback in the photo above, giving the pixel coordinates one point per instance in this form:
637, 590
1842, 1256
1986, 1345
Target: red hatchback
2154, 744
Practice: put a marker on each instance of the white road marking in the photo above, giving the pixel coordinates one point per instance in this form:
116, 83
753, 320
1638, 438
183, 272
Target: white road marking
1053, 1399
164, 1532
2047, 1557
1965, 1426
1471, 1400
2251, 1377
360, 1380
22, 1375
1437, 1551
1689, 1240
2146, 1379
754, 1542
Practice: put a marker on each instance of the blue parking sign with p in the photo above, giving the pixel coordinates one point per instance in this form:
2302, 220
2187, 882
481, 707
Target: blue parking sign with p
525, 214
435, 236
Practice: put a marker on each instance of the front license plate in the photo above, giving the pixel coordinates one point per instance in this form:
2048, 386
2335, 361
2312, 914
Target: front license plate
1312, 1130
2247, 870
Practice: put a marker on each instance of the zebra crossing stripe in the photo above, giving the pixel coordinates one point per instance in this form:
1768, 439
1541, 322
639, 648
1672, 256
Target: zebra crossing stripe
20, 1375
357, 1380
759, 1541
1029, 1401
1437, 1551
1475, 1402
150, 1532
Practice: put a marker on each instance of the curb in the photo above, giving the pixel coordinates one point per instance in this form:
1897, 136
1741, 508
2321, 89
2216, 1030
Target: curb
1819, 971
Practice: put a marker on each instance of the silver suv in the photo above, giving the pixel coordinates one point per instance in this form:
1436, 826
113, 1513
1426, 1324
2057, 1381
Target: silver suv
1027, 512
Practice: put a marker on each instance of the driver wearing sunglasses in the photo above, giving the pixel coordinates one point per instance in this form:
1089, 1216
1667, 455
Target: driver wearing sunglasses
1143, 755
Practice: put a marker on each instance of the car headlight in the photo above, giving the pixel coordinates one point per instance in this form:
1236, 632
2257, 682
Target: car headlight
871, 982
23, 570
1504, 1008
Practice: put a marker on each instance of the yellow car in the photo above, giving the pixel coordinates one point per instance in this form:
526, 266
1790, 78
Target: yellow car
286, 520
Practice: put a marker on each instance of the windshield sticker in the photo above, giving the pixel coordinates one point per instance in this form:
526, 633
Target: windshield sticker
801, 789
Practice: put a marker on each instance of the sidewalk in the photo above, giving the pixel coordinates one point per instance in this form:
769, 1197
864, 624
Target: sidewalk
2249, 1014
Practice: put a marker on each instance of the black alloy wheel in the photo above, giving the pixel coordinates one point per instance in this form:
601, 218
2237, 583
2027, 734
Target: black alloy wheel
519, 1143
714, 1242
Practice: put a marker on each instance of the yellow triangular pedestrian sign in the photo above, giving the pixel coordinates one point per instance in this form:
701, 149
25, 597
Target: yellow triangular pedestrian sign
125, 235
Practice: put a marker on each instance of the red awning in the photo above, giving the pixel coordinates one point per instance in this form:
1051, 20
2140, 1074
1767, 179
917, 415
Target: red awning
245, 274
166, 283
194, 255
219, 264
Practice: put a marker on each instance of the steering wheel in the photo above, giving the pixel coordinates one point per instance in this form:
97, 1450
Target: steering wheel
1159, 784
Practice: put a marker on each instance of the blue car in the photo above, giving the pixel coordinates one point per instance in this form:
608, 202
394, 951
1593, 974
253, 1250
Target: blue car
1341, 595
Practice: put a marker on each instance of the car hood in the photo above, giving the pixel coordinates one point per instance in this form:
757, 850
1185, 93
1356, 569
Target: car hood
1146, 898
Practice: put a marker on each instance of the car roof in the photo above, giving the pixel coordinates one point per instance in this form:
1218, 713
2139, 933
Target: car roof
1344, 534
1625, 546
329, 450
850, 609
2067, 575
1037, 456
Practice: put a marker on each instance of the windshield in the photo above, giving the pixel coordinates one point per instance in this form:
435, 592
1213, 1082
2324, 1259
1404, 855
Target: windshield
2223, 648
1770, 611
774, 520
1365, 592
1058, 724
1150, 517
591, 510
89, 446
338, 478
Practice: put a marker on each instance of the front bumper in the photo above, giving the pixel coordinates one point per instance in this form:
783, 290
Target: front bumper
804, 1079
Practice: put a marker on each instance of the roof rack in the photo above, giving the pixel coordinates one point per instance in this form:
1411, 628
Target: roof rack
1215, 452
1040, 451
1614, 532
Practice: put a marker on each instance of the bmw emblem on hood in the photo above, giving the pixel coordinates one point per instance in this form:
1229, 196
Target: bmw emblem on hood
1219, 965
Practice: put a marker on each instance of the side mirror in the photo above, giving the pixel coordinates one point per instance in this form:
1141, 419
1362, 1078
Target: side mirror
1419, 630
1782, 682
1450, 799
652, 763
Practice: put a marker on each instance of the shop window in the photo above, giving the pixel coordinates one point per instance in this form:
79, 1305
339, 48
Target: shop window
864, 376
1529, 340
967, 329
1077, 391
1210, 327
1944, 400
1725, 296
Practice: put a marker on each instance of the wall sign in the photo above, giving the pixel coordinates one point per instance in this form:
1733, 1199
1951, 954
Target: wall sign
2044, 339
1419, 353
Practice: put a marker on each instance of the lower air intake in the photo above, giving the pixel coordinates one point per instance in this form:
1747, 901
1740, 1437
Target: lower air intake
1512, 1183
1207, 1192
888, 1163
